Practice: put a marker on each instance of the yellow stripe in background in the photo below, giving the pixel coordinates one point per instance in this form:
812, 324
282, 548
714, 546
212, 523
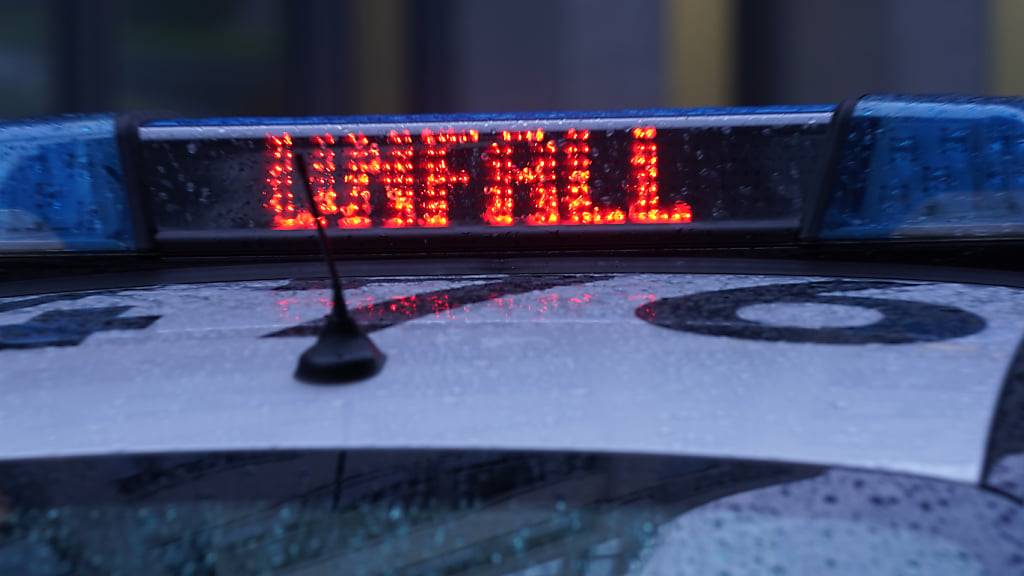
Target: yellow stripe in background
379, 56
700, 52
1006, 75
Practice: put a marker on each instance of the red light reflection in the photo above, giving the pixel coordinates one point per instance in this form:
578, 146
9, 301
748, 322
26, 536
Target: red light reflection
370, 310
646, 312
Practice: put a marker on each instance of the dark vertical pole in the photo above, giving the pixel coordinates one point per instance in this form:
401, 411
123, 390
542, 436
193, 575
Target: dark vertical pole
758, 51
84, 54
318, 35
432, 59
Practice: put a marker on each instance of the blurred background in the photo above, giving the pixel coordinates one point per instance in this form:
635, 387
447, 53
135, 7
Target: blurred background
284, 57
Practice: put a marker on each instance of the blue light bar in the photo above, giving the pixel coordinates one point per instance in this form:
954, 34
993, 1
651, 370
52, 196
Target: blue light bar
896, 167
61, 186
913, 167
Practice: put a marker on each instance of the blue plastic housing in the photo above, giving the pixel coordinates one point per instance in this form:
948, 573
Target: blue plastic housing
62, 186
912, 167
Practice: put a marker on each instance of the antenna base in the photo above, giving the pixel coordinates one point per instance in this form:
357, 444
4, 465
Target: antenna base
342, 354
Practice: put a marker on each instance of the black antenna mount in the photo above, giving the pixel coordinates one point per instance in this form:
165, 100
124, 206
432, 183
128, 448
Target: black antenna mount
342, 352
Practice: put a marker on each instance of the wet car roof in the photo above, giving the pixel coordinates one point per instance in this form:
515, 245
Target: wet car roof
892, 375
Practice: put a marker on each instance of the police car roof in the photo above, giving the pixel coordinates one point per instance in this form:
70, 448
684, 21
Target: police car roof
800, 362
892, 375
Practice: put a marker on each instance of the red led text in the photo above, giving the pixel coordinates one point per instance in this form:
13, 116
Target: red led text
418, 180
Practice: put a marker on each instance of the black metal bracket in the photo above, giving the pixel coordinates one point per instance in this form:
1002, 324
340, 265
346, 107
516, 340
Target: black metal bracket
139, 204
820, 191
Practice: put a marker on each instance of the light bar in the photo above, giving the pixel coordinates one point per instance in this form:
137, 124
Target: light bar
576, 171
924, 168
61, 186
879, 168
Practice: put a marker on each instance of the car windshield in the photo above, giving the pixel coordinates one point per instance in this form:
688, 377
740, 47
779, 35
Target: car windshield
429, 512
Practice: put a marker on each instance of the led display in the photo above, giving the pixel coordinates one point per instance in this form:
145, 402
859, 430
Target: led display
498, 174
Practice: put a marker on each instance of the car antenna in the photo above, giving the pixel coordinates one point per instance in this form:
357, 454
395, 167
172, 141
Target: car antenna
342, 352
